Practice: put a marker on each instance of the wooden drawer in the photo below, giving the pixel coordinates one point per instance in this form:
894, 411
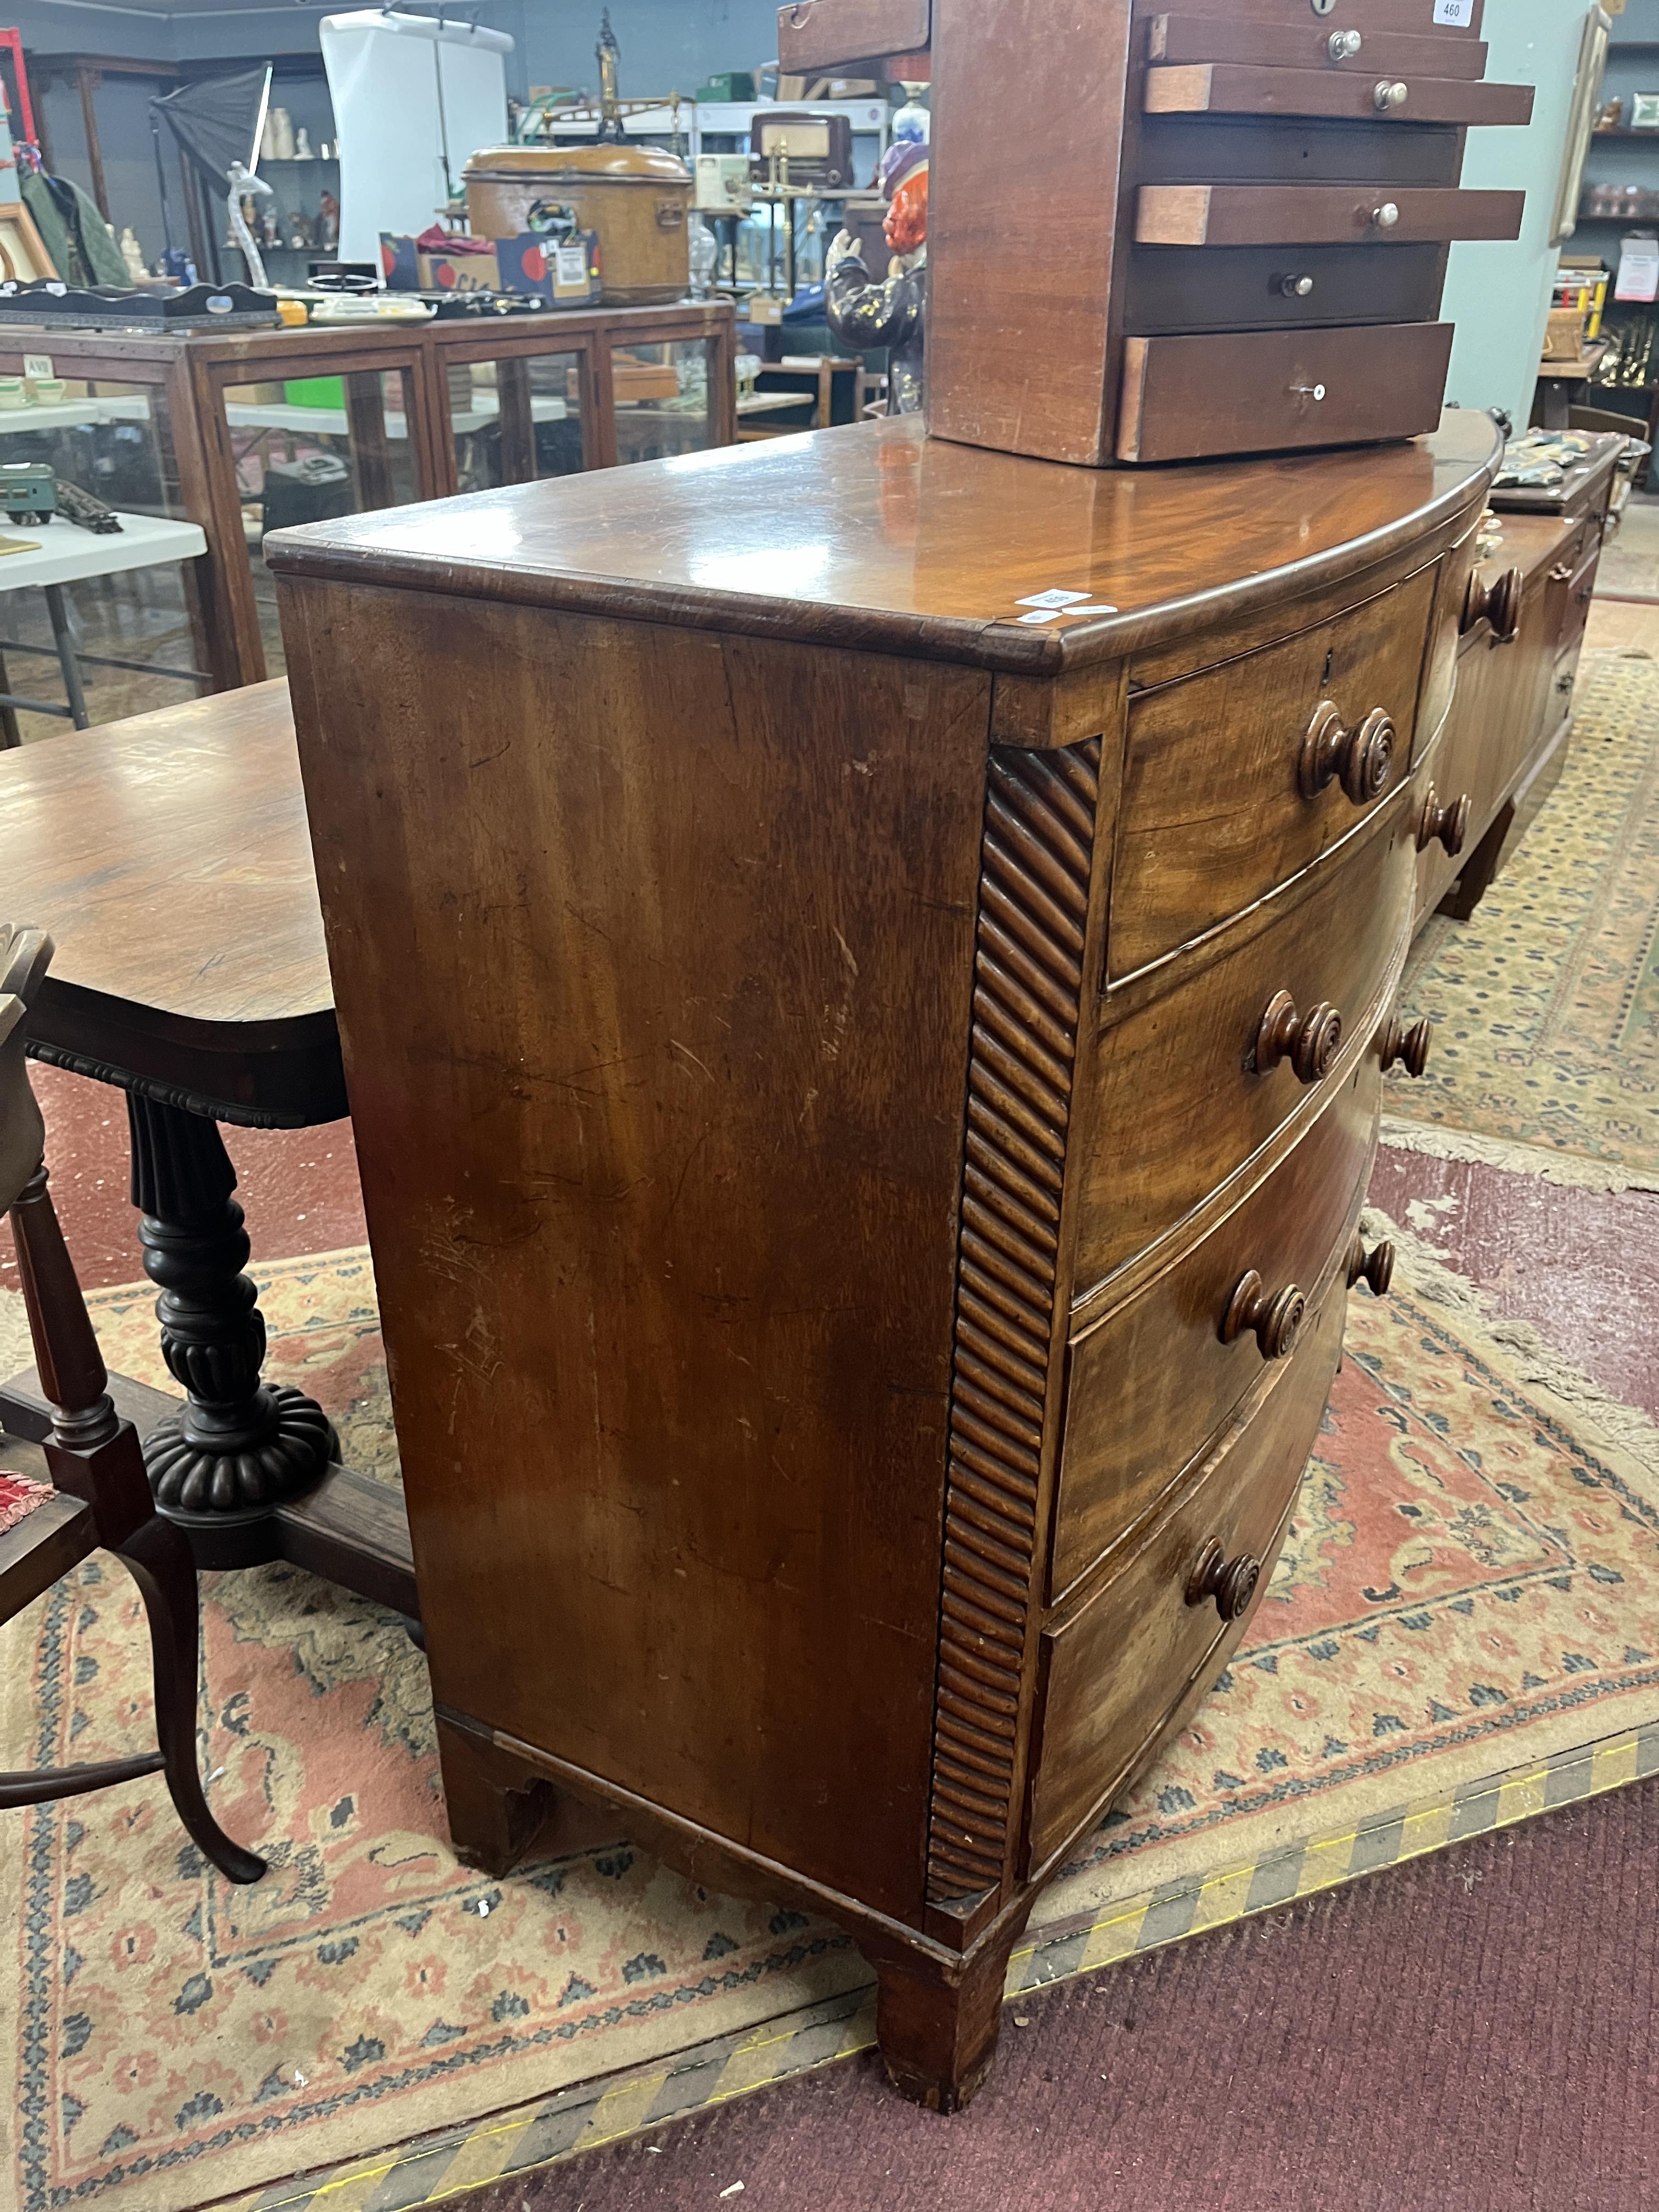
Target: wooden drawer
826, 34
1148, 1389
1119, 1669
1222, 798
1185, 398
1372, 18
1176, 1106
1237, 150
1240, 88
1321, 215
1309, 41
1173, 289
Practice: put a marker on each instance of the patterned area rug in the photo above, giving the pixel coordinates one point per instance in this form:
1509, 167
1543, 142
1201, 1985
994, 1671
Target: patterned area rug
1473, 1580
1546, 1004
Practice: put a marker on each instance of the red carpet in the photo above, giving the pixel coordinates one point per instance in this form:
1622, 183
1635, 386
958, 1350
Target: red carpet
1472, 2034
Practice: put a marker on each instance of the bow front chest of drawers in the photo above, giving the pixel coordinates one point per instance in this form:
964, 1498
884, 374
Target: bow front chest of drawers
864, 1101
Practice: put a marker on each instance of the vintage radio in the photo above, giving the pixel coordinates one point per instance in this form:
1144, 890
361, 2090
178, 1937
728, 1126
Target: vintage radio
819, 147
1164, 230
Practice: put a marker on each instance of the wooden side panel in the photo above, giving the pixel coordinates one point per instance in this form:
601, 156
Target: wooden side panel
1040, 819
1022, 253
654, 952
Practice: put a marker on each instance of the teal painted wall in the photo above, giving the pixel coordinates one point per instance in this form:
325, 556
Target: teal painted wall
1498, 296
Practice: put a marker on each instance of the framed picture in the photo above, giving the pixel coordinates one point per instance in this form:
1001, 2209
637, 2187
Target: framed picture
23, 256
1645, 111
1587, 93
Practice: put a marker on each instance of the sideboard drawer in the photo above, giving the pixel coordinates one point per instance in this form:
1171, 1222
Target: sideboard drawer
1151, 1384
1249, 89
1178, 1103
1364, 216
1371, 18
1271, 391
1307, 42
1116, 1672
1228, 788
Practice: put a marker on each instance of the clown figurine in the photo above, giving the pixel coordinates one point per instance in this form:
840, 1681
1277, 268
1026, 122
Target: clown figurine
864, 314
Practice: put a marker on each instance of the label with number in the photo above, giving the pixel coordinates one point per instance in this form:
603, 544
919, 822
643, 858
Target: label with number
570, 265
37, 364
1454, 14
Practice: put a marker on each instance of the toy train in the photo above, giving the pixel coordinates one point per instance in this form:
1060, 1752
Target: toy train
29, 492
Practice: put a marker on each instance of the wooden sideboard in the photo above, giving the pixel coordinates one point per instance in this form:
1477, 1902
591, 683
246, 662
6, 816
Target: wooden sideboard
1517, 675
864, 1103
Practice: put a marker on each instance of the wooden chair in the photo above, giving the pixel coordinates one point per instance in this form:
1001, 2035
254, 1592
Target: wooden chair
99, 1495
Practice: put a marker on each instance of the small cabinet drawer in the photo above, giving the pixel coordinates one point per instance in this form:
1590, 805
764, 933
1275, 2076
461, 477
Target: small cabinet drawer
1243, 89
1186, 399
1150, 1386
1234, 780
1309, 41
1417, 19
1178, 1101
1175, 288
1320, 214
1117, 1672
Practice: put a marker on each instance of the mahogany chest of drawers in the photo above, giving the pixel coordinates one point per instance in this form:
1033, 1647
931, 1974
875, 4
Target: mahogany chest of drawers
864, 1101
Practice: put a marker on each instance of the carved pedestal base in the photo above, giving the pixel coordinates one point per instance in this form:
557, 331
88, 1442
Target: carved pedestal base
240, 1446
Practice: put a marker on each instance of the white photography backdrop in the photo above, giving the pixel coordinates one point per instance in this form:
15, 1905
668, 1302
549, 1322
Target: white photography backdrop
403, 85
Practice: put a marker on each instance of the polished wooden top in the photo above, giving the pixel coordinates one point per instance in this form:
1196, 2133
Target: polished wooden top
879, 535
170, 859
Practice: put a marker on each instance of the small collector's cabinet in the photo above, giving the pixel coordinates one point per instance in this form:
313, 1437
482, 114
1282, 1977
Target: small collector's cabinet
865, 1100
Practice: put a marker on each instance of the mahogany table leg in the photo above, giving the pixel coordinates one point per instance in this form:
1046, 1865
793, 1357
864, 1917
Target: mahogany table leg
221, 1466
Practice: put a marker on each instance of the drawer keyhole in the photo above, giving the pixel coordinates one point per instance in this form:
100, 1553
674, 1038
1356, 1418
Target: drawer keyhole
1231, 1583
1362, 759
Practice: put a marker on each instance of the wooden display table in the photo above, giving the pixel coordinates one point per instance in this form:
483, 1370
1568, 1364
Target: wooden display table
169, 858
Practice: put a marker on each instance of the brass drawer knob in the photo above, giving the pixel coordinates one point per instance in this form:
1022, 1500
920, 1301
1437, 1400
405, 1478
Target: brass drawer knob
1400, 1047
1274, 1322
1344, 45
1386, 216
1308, 1042
1391, 95
1362, 758
1231, 1583
1497, 603
1448, 823
1374, 1268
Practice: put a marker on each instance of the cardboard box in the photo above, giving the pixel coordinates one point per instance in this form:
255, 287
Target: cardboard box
568, 274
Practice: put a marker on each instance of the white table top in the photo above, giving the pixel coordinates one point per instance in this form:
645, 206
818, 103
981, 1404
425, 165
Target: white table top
69, 553
71, 414
330, 421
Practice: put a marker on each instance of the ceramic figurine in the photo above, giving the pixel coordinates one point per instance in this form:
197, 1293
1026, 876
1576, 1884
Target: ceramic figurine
864, 314
302, 145
132, 254
281, 135
328, 221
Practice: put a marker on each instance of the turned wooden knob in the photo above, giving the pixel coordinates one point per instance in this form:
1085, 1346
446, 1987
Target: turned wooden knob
1448, 823
1231, 1583
1400, 1047
1374, 1268
1308, 1042
1497, 603
1362, 758
1273, 1321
